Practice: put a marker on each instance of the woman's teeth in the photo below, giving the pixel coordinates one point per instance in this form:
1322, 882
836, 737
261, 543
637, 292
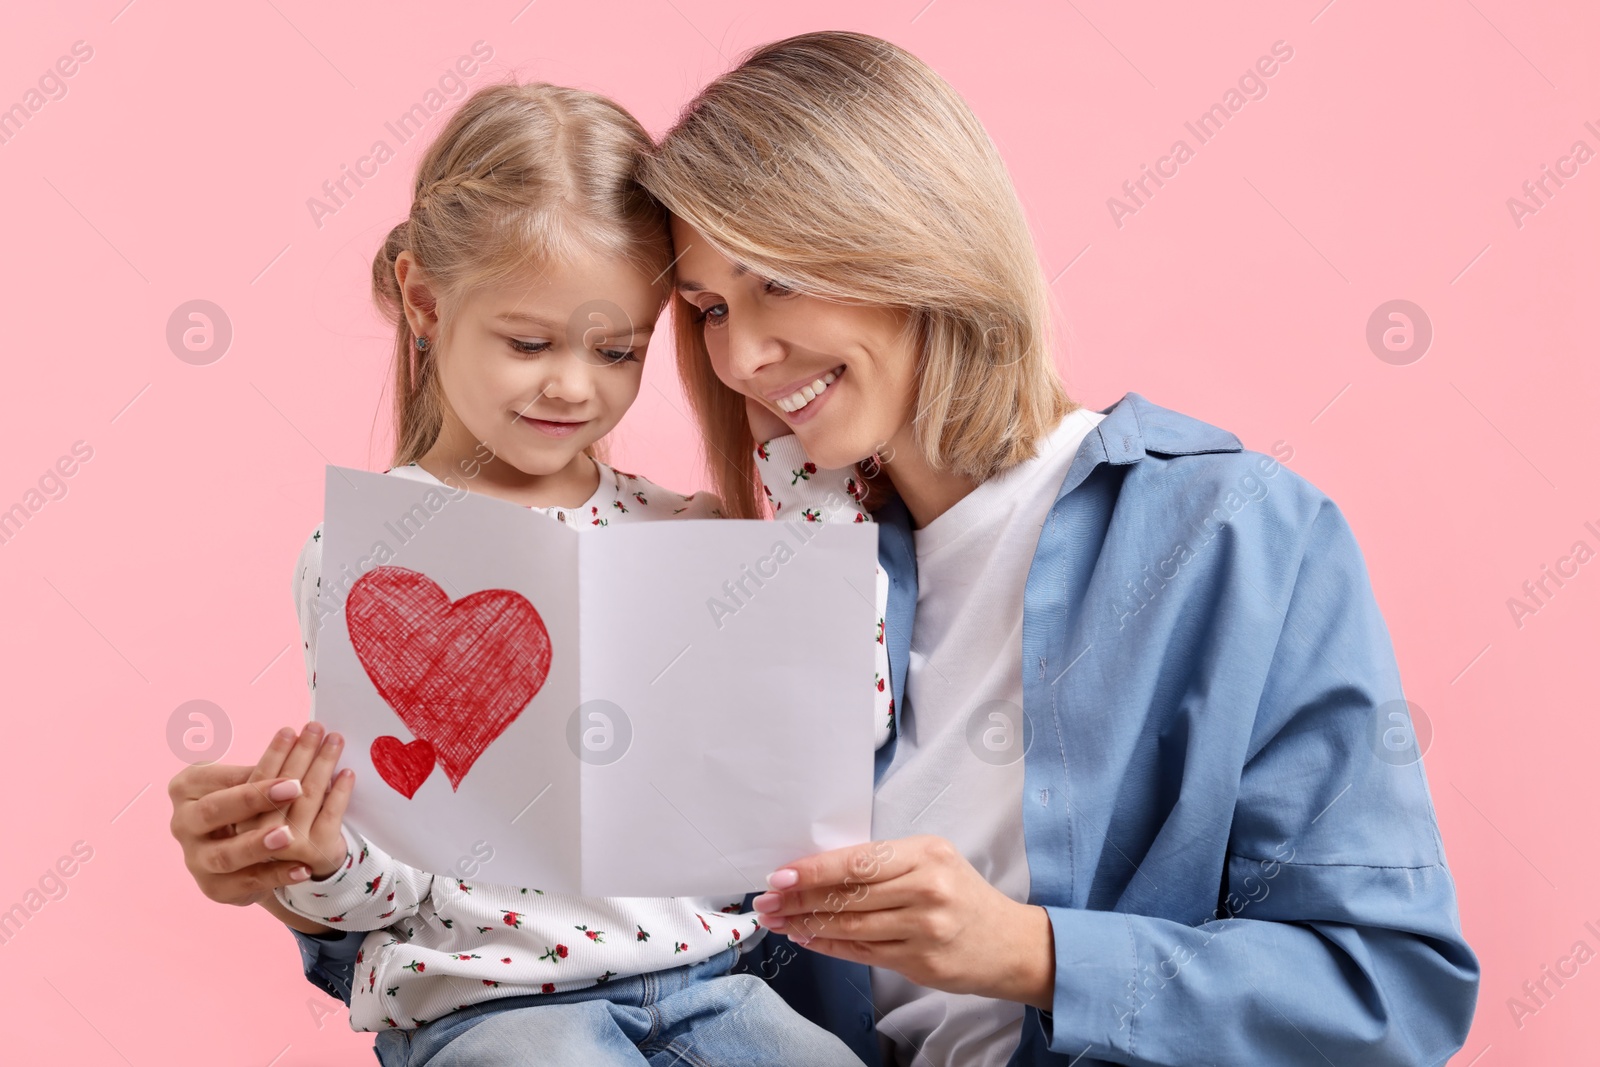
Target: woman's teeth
806, 394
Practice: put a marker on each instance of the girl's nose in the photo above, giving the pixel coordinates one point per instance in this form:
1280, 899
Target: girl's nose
572, 378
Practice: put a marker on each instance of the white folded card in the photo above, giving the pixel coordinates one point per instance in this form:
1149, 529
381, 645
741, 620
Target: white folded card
666, 708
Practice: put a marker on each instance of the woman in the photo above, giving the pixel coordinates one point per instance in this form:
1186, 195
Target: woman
1134, 813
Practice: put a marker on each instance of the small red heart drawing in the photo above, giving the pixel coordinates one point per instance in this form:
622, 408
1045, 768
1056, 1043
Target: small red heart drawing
405, 767
456, 672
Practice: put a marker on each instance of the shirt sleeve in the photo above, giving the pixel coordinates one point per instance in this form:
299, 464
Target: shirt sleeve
371, 891
329, 960
796, 487
307, 581
1337, 937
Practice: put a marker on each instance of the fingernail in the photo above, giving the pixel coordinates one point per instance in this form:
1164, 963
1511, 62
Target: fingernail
285, 734
772, 922
333, 740
277, 838
300, 874
286, 790
767, 902
314, 729
783, 878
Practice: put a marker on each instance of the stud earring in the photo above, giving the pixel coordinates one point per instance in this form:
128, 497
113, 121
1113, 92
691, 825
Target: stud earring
422, 344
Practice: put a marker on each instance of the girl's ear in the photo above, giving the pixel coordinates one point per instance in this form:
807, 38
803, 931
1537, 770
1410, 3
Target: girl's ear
417, 296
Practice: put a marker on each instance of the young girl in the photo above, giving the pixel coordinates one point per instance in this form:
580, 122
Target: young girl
524, 287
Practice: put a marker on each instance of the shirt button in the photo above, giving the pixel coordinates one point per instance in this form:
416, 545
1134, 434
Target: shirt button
562, 515
866, 1021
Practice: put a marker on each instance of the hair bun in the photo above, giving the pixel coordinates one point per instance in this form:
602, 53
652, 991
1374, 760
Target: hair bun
385, 287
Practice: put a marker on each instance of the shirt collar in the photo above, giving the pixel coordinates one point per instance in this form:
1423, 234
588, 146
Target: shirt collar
605, 494
1132, 429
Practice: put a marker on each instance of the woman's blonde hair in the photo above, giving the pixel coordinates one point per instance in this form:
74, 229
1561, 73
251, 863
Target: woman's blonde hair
845, 167
520, 176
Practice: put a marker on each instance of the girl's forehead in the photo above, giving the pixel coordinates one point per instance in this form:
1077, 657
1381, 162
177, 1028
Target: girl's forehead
552, 296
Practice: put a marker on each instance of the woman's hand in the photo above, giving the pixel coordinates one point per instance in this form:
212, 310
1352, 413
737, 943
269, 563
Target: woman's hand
315, 819
233, 821
764, 425
916, 906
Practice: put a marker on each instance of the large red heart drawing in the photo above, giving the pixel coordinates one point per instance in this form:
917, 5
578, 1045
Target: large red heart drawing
456, 672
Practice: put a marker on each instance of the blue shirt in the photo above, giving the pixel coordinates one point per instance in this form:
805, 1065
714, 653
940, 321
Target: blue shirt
1235, 844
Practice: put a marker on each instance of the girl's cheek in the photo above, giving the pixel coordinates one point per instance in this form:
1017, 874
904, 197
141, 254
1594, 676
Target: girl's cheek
621, 397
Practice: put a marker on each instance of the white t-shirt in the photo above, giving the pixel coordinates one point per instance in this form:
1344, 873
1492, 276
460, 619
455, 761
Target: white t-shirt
957, 767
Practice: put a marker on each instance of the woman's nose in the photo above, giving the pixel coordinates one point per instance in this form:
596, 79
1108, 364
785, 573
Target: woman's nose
751, 346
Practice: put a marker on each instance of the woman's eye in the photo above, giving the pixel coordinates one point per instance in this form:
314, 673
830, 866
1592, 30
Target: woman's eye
775, 288
713, 315
529, 348
618, 356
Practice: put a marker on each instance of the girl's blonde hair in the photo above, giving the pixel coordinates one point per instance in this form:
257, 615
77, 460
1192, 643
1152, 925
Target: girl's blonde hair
845, 167
520, 176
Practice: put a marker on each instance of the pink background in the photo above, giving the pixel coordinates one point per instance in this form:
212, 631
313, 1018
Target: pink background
1378, 167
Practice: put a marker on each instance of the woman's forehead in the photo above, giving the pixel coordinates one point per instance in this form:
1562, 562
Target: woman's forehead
698, 264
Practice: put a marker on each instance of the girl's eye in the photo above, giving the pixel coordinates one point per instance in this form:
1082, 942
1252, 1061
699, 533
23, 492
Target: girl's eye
775, 288
712, 316
533, 348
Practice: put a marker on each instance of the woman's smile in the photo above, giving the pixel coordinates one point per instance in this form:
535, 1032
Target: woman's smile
799, 401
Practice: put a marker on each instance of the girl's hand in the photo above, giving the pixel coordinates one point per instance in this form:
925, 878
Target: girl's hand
916, 906
764, 425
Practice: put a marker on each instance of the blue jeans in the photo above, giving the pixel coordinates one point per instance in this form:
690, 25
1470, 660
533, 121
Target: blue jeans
697, 1015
